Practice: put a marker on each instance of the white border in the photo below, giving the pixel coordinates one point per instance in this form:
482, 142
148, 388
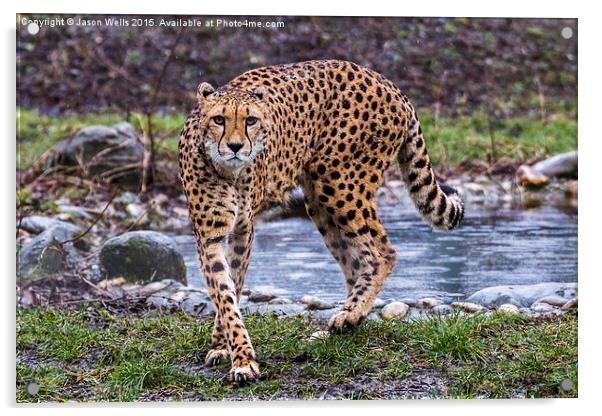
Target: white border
589, 223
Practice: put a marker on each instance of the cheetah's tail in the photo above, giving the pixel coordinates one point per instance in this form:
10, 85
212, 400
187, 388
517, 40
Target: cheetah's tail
439, 204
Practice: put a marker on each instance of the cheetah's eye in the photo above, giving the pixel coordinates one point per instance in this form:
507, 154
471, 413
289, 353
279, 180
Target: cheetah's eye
251, 120
219, 120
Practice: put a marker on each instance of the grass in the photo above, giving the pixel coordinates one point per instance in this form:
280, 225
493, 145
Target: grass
37, 132
450, 139
90, 354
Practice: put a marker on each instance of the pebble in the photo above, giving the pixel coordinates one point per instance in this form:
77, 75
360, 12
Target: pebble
475, 188
160, 301
161, 200
154, 287
280, 301
313, 303
107, 283
529, 177
542, 307
128, 198
394, 310
180, 212
197, 304
261, 296
442, 310
378, 303
428, 303
552, 300
468, 306
509, 308
572, 189
135, 210
319, 335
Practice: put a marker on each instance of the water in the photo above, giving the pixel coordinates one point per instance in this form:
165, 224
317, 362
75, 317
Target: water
501, 247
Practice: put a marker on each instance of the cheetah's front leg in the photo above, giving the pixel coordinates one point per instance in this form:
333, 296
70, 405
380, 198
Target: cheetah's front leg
239, 248
222, 290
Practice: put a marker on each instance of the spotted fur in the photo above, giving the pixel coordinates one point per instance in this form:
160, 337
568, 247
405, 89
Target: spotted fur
332, 127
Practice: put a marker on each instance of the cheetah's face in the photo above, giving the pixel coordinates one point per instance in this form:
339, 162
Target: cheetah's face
233, 126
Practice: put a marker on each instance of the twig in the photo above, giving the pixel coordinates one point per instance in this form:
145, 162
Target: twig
437, 115
136, 298
92, 285
98, 217
542, 99
148, 161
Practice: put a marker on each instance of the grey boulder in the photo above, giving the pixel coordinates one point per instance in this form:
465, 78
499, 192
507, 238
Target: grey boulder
563, 165
37, 224
110, 154
142, 256
522, 295
42, 256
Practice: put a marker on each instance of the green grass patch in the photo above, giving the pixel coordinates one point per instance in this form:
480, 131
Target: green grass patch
37, 132
90, 354
479, 136
450, 140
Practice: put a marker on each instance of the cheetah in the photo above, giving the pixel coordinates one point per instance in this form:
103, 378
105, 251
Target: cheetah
331, 127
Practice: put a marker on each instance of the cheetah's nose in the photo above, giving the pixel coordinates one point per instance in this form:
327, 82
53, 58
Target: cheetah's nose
235, 146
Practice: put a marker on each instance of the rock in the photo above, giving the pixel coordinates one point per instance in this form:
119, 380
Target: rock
246, 291
160, 302
42, 256
135, 210
280, 301
313, 303
394, 183
261, 296
442, 310
143, 256
522, 295
409, 301
563, 165
72, 211
378, 303
571, 189
552, 300
468, 306
542, 307
319, 335
530, 178
37, 224
475, 188
197, 304
138, 214
128, 198
394, 310
509, 308
111, 154
573, 303
166, 286
160, 200
107, 283
427, 303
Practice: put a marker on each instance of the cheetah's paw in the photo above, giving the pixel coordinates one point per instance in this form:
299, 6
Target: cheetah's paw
244, 373
345, 320
216, 356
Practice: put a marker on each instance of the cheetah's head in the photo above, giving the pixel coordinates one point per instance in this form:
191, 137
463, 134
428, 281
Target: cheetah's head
233, 126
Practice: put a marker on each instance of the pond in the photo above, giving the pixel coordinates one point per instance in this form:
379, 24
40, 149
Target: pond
492, 247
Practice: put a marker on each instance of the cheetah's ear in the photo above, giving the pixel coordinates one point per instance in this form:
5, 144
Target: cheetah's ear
260, 92
203, 91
